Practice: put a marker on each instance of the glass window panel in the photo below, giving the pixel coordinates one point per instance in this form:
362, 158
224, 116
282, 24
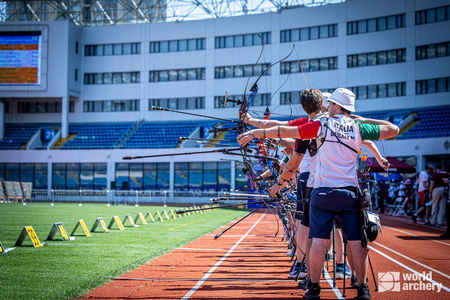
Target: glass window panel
98, 78
210, 180
305, 65
392, 90
431, 15
191, 103
362, 60
108, 49
440, 14
117, 49
314, 65
200, 102
431, 51
98, 105
258, 70
163, 75
121, 177
195, 179
362, 92
41, 107
164, 103
304, 34
431, 86
117, 78
107, 78
248, 40
295, 35
238, 40
441, 85
392, 57
294, 67
136, 174
40, 177
331, 30
362, 26
256, 39
87, 180
381, 24
173, 103
372, 91
99, 50
182, 45
173, 46
192, 45
381, 58
228, 72
382, 91
324, 64
314, 33
371, 59
181, 176
247, 70
371, 25
72, 180
164, 46
58, 179
191, 74
126, 77
323, 31
441, 50
229, 41
182, 103
391, 22
238, 71
163, 176
126, 48
182, 75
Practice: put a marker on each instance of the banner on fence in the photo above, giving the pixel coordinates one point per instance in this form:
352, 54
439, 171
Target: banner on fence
83, 225
28, 231
59, 227
102, 224
128, 217
140, 216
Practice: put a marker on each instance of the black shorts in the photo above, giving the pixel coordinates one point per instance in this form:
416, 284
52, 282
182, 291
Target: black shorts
305, 219
301, 192
326, 204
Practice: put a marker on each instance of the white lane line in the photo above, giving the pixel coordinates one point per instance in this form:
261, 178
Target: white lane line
205, 277
202, 249
409, 269
239, 235
422, 237
211, 279
336, 291
414, 261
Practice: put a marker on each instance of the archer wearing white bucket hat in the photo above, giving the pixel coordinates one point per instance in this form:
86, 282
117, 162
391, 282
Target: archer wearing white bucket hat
344, 98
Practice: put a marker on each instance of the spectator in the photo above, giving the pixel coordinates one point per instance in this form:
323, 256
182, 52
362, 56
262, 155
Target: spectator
438, 199
423, 194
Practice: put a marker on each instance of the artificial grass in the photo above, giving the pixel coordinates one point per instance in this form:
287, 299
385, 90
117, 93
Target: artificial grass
64, 270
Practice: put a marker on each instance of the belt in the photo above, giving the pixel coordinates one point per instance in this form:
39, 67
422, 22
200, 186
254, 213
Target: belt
353, 189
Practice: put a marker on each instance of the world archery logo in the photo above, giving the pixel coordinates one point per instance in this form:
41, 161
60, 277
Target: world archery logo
389, 281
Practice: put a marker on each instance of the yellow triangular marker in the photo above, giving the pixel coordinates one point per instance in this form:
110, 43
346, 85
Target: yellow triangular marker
117, 220
128, 217
28, 231
151, 217
174, 217
102, 224
140, 216
59, 227
167, 216
159, 215
83, 225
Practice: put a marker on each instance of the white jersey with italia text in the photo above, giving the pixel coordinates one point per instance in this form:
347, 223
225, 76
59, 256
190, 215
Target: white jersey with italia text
336, 164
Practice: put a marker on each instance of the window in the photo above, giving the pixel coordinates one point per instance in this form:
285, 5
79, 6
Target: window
76, 47
112, 49
109, 78
432, 51
376, 24
74, 176
433, 15
178, 103
177, 75
42, 107
177, 45
376, 58
233, 41
241, 71
380, 91
111, 105
202, 176
312, 65
309, 33
76, 74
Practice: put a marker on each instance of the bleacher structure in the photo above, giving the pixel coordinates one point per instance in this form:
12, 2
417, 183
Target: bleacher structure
15, 191
424, 123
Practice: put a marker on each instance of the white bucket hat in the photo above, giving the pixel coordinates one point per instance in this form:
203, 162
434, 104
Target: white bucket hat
344, 98
325, 97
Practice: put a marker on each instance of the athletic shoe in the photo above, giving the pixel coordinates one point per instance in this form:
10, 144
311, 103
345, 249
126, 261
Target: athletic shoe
329, 257
305, 283
414, 218
340, 272
363, 292
313, 292
303, 272
354, 281
427, 222
294, 272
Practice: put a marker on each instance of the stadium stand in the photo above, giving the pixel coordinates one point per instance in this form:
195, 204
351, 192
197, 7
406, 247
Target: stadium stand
17, 135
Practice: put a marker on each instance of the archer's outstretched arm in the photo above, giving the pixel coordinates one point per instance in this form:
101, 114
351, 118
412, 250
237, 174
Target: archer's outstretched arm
263, 123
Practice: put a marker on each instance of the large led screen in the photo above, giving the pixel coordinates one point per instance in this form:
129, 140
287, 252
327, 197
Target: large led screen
20, 58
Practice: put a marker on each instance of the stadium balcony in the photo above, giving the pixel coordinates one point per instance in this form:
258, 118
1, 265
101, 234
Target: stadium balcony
18, 135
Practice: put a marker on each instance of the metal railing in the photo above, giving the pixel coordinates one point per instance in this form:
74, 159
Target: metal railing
112, 197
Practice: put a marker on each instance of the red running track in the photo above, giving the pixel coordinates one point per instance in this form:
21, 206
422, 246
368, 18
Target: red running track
249, 262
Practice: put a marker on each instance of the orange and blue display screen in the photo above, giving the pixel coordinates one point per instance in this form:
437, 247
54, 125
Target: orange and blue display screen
20, 58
